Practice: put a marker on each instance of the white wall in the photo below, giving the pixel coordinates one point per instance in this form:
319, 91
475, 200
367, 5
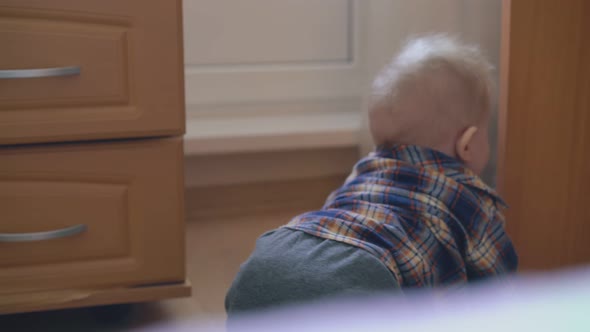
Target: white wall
243, 54
258, 57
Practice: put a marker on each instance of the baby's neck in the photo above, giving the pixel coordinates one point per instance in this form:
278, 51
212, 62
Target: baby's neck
444, 147
448, 149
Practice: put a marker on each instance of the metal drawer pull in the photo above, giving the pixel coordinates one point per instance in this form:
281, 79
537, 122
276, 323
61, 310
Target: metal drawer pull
40, 72
42, 236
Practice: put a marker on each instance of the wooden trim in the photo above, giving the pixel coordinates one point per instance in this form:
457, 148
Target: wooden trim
214, 202
180, 36
503, 97
64, 299
252, 167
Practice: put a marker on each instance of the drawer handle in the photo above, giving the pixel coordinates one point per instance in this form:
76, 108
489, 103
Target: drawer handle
42, 236
40, 72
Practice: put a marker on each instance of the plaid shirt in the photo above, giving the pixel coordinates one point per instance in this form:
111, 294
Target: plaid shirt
429, 219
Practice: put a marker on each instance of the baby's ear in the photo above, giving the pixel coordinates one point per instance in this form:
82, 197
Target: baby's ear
463, 146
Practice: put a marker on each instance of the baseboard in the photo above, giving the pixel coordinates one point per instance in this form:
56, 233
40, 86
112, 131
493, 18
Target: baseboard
256, 167
207, 203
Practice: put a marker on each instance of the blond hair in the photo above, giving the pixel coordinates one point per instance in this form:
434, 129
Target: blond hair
434, 87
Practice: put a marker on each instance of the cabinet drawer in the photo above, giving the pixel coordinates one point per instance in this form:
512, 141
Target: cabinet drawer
89, 215
118, 70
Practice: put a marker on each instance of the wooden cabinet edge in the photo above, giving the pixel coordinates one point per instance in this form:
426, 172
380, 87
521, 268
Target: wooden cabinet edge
64, 299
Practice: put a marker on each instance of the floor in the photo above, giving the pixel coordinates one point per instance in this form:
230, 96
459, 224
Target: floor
216, 245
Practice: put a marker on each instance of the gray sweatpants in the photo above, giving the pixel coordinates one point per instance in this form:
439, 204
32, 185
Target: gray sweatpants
289, 266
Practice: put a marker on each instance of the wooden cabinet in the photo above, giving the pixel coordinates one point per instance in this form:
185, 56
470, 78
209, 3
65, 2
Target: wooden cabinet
545, 130
94, 215
128, 57
128, 197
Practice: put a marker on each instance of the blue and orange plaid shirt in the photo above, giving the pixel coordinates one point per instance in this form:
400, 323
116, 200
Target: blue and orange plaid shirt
428, 218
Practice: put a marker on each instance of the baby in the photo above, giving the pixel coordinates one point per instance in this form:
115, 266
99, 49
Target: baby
414, 213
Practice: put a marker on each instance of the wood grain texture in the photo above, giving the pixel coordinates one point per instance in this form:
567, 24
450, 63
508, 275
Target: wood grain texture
545, 118
131, 81
129, 194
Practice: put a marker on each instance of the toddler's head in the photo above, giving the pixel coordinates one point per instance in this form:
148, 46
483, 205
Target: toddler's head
435, 93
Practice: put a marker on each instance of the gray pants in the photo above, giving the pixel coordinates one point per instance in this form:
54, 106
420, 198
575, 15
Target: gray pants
290, 266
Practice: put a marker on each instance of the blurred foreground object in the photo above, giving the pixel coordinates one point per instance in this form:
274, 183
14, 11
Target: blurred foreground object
553, 302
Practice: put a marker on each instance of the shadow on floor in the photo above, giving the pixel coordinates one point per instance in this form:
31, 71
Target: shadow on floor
109, 318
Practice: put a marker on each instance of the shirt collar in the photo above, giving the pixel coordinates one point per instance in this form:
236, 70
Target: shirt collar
433, 160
